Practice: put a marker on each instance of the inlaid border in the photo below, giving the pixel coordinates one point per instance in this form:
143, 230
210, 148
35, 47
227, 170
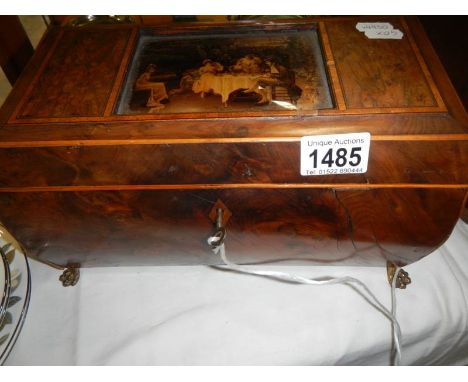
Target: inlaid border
332, 71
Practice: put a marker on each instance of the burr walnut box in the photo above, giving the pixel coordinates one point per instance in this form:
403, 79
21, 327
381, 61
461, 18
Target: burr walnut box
330, 140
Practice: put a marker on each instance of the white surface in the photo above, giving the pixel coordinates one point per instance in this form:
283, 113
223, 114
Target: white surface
200, 315
379, 31
335, 154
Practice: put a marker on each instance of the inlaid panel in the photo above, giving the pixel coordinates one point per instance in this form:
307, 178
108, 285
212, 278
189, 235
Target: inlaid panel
79, 75
378, 73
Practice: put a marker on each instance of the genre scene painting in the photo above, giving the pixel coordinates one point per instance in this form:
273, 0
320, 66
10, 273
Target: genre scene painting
256, 71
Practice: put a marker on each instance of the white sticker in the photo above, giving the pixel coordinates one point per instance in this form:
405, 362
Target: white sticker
379, 31
362, 27
336, 154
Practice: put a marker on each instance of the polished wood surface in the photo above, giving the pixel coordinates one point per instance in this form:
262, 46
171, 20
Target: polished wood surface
410, 69
80, 184
82, 60
383, 127
381, 73
171, 226
398, 162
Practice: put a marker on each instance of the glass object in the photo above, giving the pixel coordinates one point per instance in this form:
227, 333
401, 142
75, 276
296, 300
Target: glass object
16, 277
244, 71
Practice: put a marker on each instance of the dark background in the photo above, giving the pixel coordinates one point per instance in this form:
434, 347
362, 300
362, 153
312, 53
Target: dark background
449, 37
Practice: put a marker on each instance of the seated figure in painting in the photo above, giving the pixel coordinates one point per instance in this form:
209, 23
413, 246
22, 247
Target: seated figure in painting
260, 80
279, 82
249, 64
267, 79
243, 75
209, 66
186, 82
149, 80
211, 80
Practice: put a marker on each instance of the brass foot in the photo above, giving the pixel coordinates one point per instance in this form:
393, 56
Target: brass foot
402, 277
70, 276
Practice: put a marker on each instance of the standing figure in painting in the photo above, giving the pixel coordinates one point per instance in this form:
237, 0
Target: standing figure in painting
210, 80
263, 76
149, 80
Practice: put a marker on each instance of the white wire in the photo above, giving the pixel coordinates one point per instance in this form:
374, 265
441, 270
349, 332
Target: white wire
283, 276
396, 336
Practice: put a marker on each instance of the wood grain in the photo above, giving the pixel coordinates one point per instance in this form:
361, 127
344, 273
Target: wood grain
171, 227
438, 72
440, 30
422, 64
406, 68
111, 102
216, 129
330, 63
380, 73
81, 185
245, 186
84, 59
423, 162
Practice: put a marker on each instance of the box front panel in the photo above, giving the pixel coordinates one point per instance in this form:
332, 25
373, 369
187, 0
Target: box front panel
170, 227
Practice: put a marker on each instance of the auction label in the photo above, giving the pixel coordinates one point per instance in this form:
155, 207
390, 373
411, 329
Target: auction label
336, 154
379, 31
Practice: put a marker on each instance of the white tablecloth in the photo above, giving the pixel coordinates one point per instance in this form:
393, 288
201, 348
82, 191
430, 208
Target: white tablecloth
203, 316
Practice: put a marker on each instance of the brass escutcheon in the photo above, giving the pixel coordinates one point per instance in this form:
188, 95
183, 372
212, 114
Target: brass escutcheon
403, 278
70, 276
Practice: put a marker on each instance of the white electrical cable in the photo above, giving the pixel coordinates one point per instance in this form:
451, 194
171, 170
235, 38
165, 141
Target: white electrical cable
219, 248
396, 356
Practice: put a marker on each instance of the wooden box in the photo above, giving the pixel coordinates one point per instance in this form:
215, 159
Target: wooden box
119, 142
